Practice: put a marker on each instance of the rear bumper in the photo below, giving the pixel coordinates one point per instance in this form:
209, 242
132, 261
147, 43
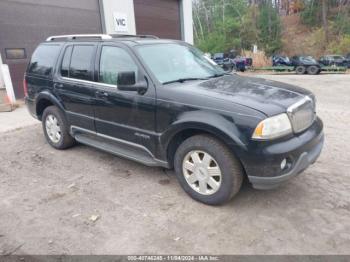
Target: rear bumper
303, 162
30, 103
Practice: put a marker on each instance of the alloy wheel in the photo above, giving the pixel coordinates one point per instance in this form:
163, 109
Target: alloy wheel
53, 128
201, 172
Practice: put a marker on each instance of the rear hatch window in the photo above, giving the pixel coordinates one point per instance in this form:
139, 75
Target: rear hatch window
44, 59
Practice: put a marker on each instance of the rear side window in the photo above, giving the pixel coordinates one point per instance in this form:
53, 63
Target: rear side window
81, 62
43, 60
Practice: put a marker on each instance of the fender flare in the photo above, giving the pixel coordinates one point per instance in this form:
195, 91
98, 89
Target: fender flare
215, 124
50, 97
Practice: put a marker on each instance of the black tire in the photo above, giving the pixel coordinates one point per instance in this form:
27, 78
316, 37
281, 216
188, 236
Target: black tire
230, 167
313, 70
300, 70
66, 140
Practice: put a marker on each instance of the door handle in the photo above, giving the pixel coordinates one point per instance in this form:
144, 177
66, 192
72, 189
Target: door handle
101, 94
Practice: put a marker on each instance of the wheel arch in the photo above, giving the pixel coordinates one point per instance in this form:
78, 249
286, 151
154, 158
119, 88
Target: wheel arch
185, 130
44, 100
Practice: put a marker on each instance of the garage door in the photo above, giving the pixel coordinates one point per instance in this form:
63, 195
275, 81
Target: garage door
26, 23
158, 17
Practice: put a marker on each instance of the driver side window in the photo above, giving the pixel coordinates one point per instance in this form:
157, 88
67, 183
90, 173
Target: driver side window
114, 60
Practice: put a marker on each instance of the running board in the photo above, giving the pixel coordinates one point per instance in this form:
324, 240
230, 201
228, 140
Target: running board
118, 148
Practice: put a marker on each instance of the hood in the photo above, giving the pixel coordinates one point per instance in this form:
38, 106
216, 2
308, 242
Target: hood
266, 96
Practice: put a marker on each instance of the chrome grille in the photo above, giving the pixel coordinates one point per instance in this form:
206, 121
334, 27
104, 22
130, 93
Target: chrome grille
302, 114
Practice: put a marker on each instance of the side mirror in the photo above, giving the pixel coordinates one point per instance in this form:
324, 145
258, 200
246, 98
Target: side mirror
127, 82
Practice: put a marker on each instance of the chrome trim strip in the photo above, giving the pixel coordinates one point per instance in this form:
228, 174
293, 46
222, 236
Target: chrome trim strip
298, 104
88, 82
294, 107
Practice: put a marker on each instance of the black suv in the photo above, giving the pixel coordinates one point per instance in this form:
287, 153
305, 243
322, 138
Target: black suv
334, 60
163, 103
305, 64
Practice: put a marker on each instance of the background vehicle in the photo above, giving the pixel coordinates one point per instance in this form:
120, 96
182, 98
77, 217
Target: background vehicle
336, 60
224, 61
239, 63
278, 60
163, 103
347, 58
305, 64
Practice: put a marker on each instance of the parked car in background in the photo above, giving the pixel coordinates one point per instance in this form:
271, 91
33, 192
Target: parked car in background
347, 57
333, 60
280, 60
163, 103
305, 64
232, 61
224, 61
239, 63
248, 61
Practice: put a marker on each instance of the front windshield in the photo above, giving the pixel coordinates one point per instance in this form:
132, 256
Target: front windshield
172, 62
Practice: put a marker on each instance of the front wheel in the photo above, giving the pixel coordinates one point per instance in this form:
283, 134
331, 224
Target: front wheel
207, 170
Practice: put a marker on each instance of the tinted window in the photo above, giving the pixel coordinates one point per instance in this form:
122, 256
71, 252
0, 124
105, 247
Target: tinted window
43, 60
66, 62
80, 65
114, 60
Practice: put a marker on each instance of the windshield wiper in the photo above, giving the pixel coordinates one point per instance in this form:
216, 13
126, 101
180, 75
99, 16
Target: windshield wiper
217, 75
181, 80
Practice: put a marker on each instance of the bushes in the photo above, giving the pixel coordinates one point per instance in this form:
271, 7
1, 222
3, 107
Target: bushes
269, 25
311, 15
340, 46
233, 24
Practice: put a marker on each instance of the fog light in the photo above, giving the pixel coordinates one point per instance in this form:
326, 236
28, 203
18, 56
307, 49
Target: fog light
283, 163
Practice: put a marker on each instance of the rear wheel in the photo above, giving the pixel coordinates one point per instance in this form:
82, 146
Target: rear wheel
55, 128
313, 70
300, 70
207, 170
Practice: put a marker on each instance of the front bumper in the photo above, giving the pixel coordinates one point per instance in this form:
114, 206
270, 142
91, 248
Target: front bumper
262, 160
303, 162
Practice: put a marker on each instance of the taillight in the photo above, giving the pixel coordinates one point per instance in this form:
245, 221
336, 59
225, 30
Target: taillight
25, 87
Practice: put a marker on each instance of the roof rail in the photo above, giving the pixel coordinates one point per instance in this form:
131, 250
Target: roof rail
72, 37
139, 36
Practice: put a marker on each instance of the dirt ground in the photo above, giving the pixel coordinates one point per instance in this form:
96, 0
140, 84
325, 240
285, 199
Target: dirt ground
49, 198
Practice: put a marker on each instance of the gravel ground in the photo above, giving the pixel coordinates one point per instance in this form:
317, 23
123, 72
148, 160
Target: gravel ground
84, 201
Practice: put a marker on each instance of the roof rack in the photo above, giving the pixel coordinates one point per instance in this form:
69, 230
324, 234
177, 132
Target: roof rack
136, 36
98, 36
72, 37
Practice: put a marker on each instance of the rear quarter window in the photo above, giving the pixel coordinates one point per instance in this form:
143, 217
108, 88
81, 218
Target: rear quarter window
43, 60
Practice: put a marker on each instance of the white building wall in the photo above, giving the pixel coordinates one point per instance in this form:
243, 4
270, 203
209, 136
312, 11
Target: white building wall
122, 9
186, 23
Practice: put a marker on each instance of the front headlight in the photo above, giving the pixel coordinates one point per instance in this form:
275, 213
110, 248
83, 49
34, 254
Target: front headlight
273, 127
